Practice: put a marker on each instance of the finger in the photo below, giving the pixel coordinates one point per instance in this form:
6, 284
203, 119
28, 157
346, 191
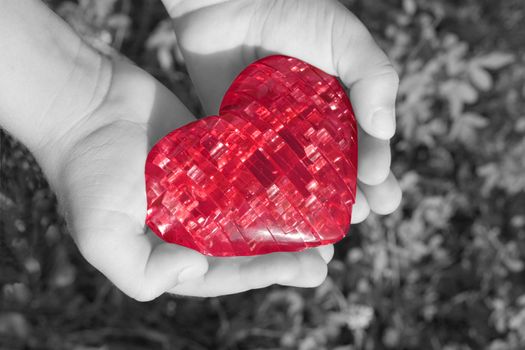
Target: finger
361, 209
312, 272
239, 274
374, 159
269, 269
136, 264
222, 278
383, 198
373, 100
326, 252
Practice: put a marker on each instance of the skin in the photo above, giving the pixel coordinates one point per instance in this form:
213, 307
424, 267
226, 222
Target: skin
90, 123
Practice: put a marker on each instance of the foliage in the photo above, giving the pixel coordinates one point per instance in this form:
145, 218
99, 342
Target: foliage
443, 272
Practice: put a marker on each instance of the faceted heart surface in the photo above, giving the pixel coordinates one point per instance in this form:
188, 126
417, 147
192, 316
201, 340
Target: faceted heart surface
275, 171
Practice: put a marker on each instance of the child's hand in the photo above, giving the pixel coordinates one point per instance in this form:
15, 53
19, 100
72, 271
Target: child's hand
90, 125
218, 38
100, 182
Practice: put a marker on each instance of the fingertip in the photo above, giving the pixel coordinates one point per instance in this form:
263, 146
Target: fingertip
317, 272
313, 270
374, 159
361, 209
326, 252
383, 123
395, 199
373, 99
384, 198
379, 123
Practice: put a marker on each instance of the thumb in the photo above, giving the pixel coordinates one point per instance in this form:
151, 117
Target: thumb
140, 265
373, 99
169, 265
366, 70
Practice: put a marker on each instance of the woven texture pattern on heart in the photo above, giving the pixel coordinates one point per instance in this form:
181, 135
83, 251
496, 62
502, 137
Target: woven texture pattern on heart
275, 171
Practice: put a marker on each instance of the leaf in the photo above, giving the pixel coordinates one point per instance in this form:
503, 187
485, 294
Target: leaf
520, 124
495, 60
102, 9
466, 92
458, 92
514, 265
165, 58
14, 324
491, 174
409, 6
464, 128
480, 77
380, 262
6, 203
162, 36
475, 120
119, 21
358, 316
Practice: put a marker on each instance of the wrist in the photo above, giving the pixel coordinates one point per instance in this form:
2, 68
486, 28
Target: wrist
51, 80
74, 115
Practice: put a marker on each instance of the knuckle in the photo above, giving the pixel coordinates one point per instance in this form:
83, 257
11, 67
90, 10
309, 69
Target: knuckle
387, 71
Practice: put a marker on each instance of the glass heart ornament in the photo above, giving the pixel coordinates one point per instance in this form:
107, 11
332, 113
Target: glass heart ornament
274, 171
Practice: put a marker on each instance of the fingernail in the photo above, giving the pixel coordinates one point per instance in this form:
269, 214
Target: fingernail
384, 123
189, 273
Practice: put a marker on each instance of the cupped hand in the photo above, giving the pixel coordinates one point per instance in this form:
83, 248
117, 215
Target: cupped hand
99, 180
218, 38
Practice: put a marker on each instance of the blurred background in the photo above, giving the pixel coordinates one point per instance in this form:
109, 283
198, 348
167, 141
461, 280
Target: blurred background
445, 271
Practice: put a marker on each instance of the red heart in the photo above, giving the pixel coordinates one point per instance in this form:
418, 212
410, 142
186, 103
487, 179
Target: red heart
275, 171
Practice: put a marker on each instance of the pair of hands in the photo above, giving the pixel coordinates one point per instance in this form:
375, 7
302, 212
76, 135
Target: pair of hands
99, 174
